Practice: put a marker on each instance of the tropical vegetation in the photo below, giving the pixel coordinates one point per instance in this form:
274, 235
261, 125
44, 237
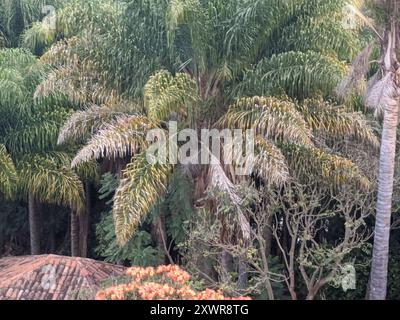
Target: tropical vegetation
84, 84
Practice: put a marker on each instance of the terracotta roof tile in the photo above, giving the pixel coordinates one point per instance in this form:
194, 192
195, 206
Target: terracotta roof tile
51, 277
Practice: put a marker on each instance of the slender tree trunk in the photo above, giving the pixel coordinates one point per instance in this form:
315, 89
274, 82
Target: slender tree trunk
243, 279
384, 206
227, 261
52, 234
34, 226
380, 258
159, 235
268, 235
74, 235
84, 224
83, 220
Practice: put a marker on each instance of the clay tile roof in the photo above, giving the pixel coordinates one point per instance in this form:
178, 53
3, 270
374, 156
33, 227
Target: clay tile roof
51, 277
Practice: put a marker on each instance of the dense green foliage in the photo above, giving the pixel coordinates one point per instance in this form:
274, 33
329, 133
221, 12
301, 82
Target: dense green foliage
77, 99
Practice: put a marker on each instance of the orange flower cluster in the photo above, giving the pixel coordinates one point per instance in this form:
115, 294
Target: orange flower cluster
156, 291
161, 283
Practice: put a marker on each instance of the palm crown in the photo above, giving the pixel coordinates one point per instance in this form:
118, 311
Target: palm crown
29, 156
244, 56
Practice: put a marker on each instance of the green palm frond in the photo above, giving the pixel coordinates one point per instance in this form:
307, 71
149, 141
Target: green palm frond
50, 182
75, 75
318, 34
261, 27
298, 74
11, 87
88, 171
253, 26
77, 15
316, 166
8, 173
164, 94
337, 121
38, 37
270, 117
191, 14
143, 184
20, 73
38, 133
125, 136
17, 15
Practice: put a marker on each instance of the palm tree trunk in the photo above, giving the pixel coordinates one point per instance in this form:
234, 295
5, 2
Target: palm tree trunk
34, 226
84, 224
380, 257
390, 63
74, 235
159, 235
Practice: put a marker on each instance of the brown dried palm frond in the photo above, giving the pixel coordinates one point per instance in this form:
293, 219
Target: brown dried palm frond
220, 181
62, 53
269, 163
270, 117
357, 74
380, 93
123, 137
141, 187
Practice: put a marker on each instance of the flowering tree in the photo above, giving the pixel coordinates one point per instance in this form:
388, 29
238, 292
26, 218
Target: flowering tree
161, 283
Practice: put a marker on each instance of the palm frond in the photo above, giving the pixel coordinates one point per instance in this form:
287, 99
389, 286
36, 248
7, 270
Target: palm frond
76, 16
358, 72
38, 37
75, 75
84, 123
191, 14
337, 121
37, 133
380, 93
318, 34
164, 94
8, 173
316, 166
125, 136
269, 163
220, 181
88, 171
143, 184
50, 182
270, 117
299, 74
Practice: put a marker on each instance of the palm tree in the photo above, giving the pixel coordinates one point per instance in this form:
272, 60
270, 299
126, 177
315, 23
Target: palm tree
34, 168
223, 49
16, 16
382, 94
